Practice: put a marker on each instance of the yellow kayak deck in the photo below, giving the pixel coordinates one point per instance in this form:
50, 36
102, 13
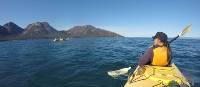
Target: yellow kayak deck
156, 76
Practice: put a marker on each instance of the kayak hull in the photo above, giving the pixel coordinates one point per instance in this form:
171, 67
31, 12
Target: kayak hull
156, 76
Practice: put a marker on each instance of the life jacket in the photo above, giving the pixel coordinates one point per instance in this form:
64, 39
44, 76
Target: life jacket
160, 56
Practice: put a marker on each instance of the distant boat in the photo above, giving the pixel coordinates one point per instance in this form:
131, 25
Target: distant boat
61, 39
58, 39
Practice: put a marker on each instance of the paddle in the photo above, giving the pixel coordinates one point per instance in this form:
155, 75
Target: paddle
124, 71
185, 30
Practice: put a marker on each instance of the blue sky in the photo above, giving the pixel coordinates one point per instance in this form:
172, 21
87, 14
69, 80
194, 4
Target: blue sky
132, 18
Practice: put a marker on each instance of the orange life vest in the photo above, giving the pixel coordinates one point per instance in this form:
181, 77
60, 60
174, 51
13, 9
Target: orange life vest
160, 56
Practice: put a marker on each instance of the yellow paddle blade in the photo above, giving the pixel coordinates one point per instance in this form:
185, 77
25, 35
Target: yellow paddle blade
187, 29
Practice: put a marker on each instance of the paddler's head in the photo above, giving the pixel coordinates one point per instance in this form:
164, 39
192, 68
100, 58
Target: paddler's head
160, 39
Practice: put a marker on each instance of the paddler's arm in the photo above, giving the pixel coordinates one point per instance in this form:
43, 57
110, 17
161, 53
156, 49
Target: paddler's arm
146, 58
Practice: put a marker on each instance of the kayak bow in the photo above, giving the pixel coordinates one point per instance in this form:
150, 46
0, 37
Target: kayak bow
156, 76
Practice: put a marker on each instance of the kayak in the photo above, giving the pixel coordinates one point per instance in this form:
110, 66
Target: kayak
156, 76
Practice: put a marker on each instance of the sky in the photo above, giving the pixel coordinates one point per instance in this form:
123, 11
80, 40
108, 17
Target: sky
130, 18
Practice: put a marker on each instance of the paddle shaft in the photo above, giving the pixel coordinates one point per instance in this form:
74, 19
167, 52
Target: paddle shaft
173, 39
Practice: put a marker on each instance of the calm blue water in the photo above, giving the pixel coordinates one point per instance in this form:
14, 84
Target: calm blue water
83, 62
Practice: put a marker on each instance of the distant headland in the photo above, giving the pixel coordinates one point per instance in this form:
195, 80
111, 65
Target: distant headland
43, 30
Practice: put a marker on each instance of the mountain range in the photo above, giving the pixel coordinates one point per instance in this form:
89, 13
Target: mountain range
42, 30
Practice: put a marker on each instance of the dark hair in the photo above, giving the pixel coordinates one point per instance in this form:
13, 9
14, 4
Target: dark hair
162, 36
166, 43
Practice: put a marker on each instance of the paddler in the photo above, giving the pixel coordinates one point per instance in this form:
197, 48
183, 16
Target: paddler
159, 54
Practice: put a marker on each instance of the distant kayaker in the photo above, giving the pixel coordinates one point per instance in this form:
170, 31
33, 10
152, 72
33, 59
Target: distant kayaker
159, 54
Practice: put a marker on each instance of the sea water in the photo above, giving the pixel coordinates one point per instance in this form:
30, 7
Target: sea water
84, 62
